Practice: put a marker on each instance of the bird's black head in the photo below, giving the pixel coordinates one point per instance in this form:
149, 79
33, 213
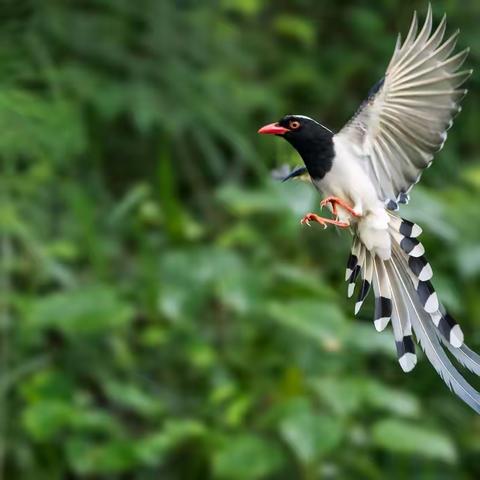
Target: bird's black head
313, 141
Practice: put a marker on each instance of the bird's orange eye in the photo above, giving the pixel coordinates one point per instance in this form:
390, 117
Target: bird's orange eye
294, 124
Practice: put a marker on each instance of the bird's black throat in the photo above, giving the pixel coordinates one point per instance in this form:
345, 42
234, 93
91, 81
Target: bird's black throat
316, 149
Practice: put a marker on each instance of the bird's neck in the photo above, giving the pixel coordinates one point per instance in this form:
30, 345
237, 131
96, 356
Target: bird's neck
317, 155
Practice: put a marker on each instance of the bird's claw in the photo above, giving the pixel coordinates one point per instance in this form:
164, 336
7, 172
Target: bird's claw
334, 202
326, 201
305, 221
309, 217
312, 217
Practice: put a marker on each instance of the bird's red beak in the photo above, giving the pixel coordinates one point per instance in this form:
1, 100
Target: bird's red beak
273, 129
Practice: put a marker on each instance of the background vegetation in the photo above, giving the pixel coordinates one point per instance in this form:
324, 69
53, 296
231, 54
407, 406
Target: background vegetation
163, 314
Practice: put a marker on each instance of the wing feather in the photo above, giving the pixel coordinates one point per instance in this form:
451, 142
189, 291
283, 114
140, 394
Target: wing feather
400, 127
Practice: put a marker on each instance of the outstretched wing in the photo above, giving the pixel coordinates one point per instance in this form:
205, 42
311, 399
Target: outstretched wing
405, 119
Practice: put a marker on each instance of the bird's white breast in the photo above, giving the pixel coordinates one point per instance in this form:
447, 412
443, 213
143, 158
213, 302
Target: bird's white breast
348, 181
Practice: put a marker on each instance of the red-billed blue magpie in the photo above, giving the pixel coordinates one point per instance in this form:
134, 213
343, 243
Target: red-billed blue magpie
368, 168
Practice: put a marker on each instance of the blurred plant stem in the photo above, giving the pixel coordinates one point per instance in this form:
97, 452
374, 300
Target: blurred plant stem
167, 192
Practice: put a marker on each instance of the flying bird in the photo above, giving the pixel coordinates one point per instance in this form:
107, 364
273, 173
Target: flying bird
368, 168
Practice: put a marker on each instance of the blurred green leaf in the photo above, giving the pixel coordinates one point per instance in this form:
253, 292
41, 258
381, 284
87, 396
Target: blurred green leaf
279, 199
131, 397
81, 311
247, 7
47, 418
408, 438
53, 126
247, 457
107, 458
343, 396
468, 259
322, 322
153, 448
296, 28
364, 338
310, 434
346, 396
396, 401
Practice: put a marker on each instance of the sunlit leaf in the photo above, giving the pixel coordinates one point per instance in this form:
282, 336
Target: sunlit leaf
48, 418
297, 28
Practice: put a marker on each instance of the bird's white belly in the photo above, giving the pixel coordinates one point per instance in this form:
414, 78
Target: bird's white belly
348, 181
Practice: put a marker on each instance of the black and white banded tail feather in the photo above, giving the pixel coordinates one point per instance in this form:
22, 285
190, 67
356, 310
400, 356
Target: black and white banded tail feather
405, 297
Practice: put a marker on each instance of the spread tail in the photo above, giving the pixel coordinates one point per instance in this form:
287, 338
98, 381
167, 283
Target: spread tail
404, 296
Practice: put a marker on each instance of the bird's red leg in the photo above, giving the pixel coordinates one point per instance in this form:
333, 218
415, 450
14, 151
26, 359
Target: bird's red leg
334, 201
312, 217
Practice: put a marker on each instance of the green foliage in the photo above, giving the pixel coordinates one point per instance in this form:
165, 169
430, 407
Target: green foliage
310, 434
404, 438
247, 456
162, 312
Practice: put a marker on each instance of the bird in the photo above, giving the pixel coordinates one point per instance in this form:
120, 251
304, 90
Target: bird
367, 170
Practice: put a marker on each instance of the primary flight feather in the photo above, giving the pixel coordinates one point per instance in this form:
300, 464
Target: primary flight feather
368, 168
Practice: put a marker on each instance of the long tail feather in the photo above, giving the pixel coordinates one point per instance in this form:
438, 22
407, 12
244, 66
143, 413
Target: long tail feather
427, 336
366, 274
360, 256
420, 272
405, 295
401, 322
352, 259
383, 299
464, 355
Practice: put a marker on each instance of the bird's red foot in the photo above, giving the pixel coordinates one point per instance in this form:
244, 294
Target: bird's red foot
334, 201
312, 217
